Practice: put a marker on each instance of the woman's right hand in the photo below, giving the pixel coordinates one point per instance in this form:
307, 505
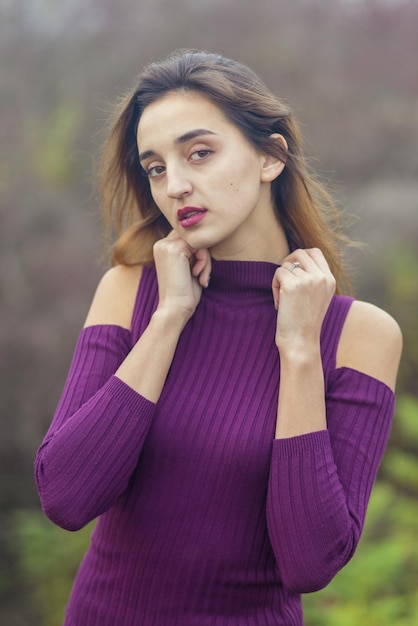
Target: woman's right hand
182, 272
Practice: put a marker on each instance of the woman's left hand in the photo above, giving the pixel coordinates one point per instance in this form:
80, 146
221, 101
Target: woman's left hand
303, 287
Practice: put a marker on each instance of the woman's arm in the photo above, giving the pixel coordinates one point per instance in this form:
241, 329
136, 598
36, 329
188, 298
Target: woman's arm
328, 448
302, 294
93, 443
92, 447
181, 274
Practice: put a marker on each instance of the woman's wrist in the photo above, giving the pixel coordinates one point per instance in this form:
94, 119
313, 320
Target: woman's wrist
301, 406
299, 352
170, 319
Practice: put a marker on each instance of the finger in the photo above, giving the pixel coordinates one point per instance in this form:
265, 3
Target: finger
202, 266
311, 261
292, 266
199, 261
204, 277
296, 265
282, 280
276, 286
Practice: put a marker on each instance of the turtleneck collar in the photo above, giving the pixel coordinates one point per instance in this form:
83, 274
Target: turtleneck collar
242, 281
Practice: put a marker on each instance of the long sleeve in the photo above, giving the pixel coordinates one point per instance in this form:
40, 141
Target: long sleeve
320, 483
92, 446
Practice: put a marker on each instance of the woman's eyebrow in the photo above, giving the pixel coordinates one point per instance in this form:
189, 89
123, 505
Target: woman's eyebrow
191, 134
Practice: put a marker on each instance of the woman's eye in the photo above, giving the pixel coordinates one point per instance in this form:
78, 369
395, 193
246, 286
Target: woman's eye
154, 170
200, 154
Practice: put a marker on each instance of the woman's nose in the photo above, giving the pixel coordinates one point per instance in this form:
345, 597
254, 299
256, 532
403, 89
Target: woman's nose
178, 184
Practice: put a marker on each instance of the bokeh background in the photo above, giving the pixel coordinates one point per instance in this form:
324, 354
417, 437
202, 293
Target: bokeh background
349, 68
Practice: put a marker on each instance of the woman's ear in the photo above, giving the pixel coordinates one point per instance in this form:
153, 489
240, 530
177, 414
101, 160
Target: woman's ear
272, 166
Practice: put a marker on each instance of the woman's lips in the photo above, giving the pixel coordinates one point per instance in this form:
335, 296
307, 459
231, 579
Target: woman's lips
190, 215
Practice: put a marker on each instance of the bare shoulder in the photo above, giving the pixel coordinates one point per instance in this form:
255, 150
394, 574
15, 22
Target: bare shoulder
371, 342
114, 300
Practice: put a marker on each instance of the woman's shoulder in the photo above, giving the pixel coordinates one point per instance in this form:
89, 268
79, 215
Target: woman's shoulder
115, 296
370, 342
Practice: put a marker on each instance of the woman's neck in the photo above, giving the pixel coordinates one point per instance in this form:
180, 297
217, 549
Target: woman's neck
268, 244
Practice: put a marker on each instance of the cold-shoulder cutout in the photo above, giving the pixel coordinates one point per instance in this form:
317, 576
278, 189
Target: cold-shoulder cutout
114, 300
371, 343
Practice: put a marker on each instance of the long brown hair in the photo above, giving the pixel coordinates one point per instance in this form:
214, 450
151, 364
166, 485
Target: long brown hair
304, 206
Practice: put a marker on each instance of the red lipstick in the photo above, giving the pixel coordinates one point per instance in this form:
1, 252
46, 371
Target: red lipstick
190, 215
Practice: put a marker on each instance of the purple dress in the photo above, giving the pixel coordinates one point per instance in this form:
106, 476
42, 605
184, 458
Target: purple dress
204, 519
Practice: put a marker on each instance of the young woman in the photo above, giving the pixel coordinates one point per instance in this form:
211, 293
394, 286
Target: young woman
225, 412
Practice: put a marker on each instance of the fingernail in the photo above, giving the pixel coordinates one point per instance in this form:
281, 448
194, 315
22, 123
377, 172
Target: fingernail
208, 281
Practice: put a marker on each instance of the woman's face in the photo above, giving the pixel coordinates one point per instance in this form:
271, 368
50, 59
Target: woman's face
210, 183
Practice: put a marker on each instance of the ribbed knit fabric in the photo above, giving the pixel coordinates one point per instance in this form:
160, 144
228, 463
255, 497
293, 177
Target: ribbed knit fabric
204, 518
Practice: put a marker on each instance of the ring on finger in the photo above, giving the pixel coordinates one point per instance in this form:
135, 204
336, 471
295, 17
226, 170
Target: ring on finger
294, 265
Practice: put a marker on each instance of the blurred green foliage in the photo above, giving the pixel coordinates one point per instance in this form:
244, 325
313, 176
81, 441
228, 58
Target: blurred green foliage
48, 558
53, 143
